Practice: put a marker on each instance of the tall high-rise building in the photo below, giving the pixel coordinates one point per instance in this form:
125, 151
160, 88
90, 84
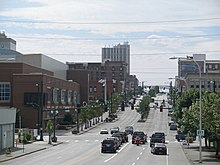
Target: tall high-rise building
120, 52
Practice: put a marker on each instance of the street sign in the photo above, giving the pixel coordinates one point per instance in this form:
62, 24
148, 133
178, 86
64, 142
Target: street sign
200, 132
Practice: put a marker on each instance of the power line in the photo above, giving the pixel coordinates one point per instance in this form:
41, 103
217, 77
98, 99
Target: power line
102, 39
136, 54
102, 23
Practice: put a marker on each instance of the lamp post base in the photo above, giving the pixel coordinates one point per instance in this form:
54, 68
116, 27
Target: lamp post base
54, 139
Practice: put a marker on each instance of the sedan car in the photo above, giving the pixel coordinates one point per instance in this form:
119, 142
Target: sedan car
159, 148
173, 127
104, 131
129, 130
114, 130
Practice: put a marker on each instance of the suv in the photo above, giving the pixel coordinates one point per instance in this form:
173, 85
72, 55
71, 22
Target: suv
139, 134
160, 134
156, 138
108, 145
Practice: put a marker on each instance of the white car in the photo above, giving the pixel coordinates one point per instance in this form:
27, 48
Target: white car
104, 131
170, 122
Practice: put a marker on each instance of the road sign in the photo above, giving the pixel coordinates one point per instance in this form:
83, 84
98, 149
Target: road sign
200, 132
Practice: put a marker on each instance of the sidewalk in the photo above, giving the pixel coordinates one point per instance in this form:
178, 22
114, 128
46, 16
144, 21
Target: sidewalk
20, 150
208, 154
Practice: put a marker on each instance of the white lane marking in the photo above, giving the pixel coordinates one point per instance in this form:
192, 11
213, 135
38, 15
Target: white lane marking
76, 141
167, 157
123, 147
96, 140
138, 158
110, 158
116, 153
133, 163
143, 148
141, 153
67, 141
87, 140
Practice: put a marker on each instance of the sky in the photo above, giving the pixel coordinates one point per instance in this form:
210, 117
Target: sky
77, 30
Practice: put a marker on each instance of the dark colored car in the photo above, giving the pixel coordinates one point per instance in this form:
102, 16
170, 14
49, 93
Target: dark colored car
155, 139
173, 127
108, 145
124, 137
119, 136
129, 130
139, 134
116, 139
159, 148
114, 130
160, 134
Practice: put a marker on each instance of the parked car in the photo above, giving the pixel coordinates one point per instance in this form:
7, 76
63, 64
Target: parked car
108, 145
129, 130
104, 131
139, 134
173, 126
159, 148
181, 137
170, 122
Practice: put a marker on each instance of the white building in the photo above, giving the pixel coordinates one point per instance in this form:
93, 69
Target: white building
7, 127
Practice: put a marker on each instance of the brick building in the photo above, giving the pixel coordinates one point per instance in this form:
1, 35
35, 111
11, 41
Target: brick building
88, 75
22, 86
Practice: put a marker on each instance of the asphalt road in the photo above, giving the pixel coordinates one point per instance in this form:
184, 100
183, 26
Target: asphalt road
85, 149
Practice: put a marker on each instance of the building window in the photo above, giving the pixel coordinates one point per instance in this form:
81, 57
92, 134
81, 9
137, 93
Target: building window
55, 95
5, 92
113, 74
63, 94
113, 68
90, 89
95, 89
69, 97
191, 84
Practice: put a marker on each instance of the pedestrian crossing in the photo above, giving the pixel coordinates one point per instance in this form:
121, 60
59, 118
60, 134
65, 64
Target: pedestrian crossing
100, 140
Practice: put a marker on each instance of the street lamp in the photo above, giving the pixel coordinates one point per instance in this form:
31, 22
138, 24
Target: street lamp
200, 103
54, 112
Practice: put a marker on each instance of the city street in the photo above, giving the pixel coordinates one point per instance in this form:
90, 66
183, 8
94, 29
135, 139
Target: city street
84, 149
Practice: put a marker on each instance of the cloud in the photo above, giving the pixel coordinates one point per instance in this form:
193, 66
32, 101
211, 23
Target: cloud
61, 38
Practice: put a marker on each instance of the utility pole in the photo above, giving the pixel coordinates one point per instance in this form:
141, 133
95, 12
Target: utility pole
41, 110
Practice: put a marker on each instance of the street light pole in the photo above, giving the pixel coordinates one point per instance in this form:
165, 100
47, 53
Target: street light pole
54, 138
41, 110
200, 103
